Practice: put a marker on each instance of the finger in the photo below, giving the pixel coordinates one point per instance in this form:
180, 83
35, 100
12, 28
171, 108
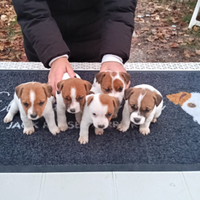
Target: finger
71, 72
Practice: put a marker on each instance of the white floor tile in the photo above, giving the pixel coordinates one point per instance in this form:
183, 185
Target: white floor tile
20, 186
78, 186
193, 183
156, 186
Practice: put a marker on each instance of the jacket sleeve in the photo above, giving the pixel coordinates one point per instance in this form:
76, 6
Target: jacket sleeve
40, 28
118, 28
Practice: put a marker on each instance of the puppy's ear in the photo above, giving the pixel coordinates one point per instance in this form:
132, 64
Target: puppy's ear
126, 77
99, 76
157, 98
19, 90
116, 102
88, 86
89, 100
128, 92
47, 90
60, 85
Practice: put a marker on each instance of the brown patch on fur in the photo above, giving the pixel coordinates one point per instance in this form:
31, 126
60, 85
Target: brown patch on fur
118, 85
179, 98
82, 88
88, 86
99, 77
19, 90
111, 102
106, 83
128, 92
40, 96
113, 74
125, 76
91, 92
89, 100
47, 89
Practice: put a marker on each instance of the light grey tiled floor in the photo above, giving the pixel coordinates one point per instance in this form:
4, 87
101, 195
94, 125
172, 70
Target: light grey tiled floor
101, 186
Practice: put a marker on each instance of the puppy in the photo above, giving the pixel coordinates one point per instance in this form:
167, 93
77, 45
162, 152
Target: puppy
71, 97
143, 105
33, 100
98, 110
189, 102
111, 83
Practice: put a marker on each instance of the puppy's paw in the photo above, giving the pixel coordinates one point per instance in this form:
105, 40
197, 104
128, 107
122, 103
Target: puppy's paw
29, 130
54, 130
83, 139
154, 120
63, 127
122, 128
98, 131
144, 131
7, 119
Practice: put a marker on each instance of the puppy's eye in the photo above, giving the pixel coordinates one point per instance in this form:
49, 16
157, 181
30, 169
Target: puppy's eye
120, 89
108, 115
94, 114
26, 104
133, 107
107, 90
41, 103
80, 98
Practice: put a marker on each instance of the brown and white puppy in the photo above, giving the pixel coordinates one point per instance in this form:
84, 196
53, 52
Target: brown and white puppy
98, 110
143, 105
33, 100
111, 83
71, 97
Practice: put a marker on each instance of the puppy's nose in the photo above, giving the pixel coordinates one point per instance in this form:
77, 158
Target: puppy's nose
33, 116
137, 120
101, 126
72, 110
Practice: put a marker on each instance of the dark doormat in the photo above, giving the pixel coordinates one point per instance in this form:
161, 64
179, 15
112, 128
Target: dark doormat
172, 145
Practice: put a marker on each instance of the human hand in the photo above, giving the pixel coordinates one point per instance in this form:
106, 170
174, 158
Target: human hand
114, 66
58, 68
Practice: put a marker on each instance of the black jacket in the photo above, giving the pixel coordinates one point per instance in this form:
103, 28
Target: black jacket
52, 26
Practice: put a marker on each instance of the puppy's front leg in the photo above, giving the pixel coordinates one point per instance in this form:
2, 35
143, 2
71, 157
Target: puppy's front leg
62, 119
12, 111
83, 135
28, 124
50, 119
125, 123
144, 128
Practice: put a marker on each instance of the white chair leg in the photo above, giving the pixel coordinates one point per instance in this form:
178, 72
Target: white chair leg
193, 20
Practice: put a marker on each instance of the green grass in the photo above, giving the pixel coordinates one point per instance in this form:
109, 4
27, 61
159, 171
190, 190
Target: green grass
192, 4
187, 18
